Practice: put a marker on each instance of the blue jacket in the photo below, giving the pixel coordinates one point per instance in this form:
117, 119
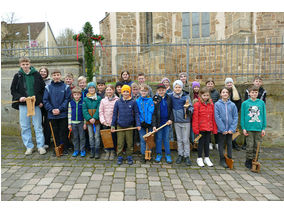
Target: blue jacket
226, 116
125, 113
178, 109
57, 96
146, 109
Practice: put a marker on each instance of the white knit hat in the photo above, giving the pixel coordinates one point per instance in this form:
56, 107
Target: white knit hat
228, 80
179, 82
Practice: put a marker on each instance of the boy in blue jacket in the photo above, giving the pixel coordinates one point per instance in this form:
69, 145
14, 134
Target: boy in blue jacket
125, 115
226, 117
55, 100
146, 108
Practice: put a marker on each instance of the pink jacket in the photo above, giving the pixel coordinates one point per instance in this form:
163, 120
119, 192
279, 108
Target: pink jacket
106, 110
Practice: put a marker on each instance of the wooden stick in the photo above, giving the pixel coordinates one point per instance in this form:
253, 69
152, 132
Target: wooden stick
131, 128
150, 133
52, 134
8, 102
197, 138
257, 150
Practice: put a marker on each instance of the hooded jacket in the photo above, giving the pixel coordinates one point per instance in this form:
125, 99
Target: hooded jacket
106, 109
57, 96
226, 116
146, 109
178, 109
91, 102
19, 87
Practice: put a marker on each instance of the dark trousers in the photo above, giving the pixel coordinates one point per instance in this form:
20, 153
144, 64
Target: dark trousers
113, 135
46, 127
204, 144
222, 140
78, 136
60, 131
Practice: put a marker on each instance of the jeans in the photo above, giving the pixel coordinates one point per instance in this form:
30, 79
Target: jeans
163, 136
78, 136
26, 132
94, 138
183, 132
204, 144
142, 132
222, 140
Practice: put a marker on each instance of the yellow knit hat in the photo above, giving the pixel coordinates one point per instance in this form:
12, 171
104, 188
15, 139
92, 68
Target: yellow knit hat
126, 88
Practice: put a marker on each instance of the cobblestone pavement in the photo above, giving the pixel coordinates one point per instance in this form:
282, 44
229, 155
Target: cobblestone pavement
46, 177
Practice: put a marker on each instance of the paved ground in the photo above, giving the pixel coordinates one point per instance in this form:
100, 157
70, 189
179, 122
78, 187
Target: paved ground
49, 178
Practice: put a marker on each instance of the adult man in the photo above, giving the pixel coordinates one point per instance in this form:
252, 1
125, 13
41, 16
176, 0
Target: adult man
26, 83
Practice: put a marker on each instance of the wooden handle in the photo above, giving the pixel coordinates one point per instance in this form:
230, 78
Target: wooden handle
161, 127
8, 102
131, 128
257, 149
52, 134
197, 138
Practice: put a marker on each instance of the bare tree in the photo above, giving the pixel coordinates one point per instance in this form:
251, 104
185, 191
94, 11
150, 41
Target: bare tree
65, 39
10, 18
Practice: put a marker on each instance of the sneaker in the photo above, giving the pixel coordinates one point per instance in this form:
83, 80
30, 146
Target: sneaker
46, 146
75, 153
83, 153
29, 151
169, 159
188, 161
244, 147
107, 155
223, 163
199, 162
158, 158
208, 162
210, 146
112, 154
179, 159
142, 159
129, 160
65, 152
119, 160
42, 151
216, 146
248, 163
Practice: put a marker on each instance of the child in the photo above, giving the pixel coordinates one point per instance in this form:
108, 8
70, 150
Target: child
162, 114
204, 123
55, 99
235, 97
167, 84
125, 78
182, 121
253, 123
76, 122
118, 87
69, 79
91, 106
106, 112
43, 71
214, 94
141, 80
145, 106
125, 115
261, 95
194, 95
82, 82
101, 85
226, 117
183, 77
135, 88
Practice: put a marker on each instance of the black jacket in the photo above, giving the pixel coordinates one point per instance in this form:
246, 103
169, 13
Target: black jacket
18, 89
215, 96
157, 114
261, 94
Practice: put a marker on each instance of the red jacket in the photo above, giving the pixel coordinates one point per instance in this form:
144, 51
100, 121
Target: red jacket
203, 117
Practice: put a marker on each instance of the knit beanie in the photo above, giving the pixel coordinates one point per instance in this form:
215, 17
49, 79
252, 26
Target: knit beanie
126, 88
228, 80
165, 79
179, 82
195, 84
91, 84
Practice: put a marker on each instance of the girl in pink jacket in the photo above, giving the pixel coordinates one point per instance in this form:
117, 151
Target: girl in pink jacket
106, 111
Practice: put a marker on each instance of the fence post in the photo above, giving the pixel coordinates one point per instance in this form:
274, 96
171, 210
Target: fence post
187, 58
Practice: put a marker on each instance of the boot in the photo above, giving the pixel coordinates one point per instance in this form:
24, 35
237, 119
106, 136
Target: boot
188, 161
248, 163
179, 159
92, 153
142, 160
235, 146
112, 154
223, 163
97, 154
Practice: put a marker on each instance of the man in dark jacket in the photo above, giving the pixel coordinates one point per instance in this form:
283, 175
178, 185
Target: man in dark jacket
55, 99
26, 83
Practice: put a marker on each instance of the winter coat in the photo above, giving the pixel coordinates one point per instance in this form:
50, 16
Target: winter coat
214, 94
146, 109
18, 88
156, 117
125, 113
56, 96
91, 108
178, 109
106, 110
261, 94
203, 117
253, 115
226, 116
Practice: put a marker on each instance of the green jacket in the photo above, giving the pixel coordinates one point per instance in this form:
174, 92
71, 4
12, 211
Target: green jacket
91, 103
253, 115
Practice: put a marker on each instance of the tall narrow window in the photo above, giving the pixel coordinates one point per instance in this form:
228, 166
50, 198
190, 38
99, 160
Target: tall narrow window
149, 28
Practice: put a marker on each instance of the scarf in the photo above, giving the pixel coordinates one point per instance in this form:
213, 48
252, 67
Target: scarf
177, 95
94, 97
29, 79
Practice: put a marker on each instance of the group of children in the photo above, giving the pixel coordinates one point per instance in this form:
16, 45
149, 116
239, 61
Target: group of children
87, 108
